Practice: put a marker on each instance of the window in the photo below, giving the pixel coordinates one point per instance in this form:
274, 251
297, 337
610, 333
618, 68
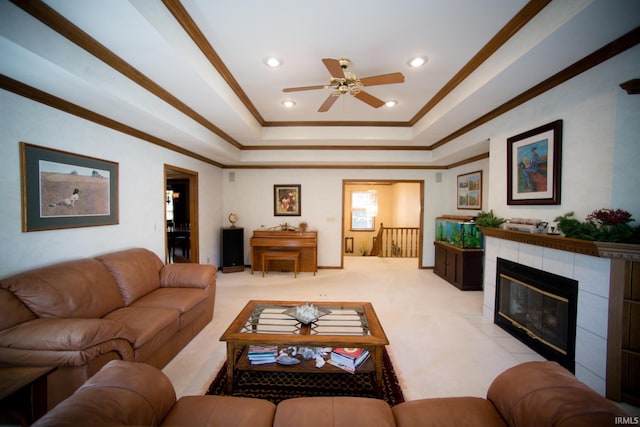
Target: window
364, 208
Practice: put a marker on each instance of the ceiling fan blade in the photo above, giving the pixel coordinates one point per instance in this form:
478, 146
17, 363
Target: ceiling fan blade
333, 65
296, 89
383, 79
328, 102
369, 99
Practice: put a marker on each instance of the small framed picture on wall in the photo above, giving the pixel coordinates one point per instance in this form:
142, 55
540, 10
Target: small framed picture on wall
470, 191
287, 200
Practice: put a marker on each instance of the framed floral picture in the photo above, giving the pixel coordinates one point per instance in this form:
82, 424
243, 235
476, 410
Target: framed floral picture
66, 190
470, 191
287, 200
534, 161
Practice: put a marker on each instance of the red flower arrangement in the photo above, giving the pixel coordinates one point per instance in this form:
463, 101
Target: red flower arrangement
609, 217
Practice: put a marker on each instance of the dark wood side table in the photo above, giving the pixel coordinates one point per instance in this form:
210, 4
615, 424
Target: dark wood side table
23, 393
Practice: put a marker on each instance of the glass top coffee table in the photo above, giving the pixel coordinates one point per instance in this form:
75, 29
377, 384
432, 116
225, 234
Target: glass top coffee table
347, 324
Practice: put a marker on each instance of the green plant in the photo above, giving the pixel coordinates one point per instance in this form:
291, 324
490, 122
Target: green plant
488, 219
603, 225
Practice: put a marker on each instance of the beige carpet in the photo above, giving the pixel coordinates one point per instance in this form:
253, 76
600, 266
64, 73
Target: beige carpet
440, 344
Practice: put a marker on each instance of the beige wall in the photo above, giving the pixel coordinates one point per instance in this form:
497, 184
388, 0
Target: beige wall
398, 206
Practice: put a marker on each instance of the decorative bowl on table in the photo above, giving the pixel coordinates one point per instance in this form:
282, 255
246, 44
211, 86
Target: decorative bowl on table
306, 313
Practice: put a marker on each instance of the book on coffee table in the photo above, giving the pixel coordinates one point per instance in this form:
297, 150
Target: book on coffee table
349, 357
259, 355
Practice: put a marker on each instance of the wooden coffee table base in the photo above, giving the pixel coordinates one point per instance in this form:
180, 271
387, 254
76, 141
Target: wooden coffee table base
349, 324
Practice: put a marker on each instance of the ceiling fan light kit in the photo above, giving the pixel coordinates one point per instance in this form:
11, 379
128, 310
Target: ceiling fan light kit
343, 82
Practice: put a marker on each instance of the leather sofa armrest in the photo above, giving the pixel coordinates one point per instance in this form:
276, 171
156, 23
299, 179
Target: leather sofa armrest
188, 276
64, 342
121, 393
545, 393
63, 334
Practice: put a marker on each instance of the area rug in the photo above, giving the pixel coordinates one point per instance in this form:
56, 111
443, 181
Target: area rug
278, 386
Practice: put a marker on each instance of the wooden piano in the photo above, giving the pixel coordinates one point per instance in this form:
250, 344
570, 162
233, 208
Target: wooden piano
306, 243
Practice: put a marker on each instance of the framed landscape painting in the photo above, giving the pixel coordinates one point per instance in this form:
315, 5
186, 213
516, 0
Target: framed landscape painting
534, 161
286, 200
470, 190
66, 190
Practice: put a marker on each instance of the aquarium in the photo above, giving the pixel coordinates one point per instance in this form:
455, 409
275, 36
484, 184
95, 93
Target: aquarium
459, 231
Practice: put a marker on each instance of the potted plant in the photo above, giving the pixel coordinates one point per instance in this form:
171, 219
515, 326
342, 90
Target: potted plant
488, 219
602, 225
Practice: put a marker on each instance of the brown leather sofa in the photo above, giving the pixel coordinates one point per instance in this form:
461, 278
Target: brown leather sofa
531, 394
79, 315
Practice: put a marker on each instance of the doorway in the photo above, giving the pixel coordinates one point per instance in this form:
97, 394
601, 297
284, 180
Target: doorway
180, 200
399, 204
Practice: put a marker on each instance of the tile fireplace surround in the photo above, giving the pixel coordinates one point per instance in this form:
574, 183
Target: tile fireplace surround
593, 276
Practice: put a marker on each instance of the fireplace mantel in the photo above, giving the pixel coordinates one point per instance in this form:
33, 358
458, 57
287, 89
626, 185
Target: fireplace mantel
585, 247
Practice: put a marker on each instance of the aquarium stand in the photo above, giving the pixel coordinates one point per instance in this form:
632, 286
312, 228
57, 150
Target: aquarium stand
460, 267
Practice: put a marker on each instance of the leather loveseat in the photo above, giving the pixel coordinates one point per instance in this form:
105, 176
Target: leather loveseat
78, 315
531, 394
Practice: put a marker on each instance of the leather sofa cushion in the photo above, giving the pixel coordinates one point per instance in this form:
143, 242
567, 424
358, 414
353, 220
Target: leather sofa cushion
333, 412
447, 411
121, 393
545, 394
136, 271
221, 411
73, 289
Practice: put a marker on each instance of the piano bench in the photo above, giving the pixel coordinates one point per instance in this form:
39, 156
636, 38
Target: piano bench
281, 256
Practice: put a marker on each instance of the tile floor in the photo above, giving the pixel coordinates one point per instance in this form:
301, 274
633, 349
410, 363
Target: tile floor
440, 343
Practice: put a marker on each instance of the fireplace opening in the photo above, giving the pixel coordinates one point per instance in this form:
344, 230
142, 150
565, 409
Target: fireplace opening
539, 309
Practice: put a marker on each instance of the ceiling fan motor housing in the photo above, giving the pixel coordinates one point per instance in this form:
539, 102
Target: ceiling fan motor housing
343, 82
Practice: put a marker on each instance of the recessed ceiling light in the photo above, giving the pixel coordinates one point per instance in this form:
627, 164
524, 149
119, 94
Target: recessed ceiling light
288, 103
417, 61
272, 61
391, 103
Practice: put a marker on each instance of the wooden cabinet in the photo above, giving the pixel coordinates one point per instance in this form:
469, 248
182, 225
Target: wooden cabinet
460, 267
232, 250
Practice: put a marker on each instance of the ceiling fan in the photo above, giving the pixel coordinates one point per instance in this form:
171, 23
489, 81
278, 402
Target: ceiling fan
343, 82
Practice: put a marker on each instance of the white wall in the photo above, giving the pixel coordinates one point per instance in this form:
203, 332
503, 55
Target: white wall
141, 188
406, 210
250, 195
588, 105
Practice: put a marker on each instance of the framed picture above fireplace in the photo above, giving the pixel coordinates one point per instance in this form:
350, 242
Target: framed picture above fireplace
534, 162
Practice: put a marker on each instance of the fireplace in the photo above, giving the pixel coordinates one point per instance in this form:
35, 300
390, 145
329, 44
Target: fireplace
539, 309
